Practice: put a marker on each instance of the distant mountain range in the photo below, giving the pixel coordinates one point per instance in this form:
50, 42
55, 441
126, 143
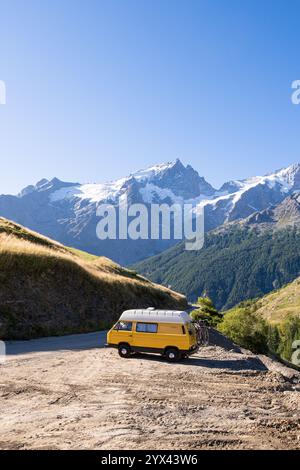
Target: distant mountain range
240, 260
67, 211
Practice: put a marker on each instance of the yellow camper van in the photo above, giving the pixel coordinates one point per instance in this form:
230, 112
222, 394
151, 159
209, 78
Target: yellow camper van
167, 332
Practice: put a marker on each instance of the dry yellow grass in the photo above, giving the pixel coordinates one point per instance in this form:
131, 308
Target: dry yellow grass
10, 247
281, 303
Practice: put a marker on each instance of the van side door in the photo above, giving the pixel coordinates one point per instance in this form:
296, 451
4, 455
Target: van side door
145, 335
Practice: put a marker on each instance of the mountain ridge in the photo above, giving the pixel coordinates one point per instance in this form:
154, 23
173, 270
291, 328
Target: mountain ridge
66, 211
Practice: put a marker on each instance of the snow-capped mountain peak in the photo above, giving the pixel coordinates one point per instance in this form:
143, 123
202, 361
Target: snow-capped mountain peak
172, 177
290, 175
45, 185
148, 174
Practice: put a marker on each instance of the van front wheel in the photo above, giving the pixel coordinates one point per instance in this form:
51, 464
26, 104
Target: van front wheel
124, 350
172, 354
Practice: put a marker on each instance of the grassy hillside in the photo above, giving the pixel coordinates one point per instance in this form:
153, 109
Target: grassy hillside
236, 263
278, 305
48, 289
269, 324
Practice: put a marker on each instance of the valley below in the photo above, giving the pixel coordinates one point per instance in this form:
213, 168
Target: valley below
72, 393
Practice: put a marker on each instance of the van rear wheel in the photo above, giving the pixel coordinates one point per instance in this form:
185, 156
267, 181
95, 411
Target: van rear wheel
124, 350
172, 354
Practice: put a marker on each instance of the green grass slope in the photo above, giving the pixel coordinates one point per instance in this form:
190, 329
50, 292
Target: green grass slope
270, 324
276, 306
48, 289
280, 304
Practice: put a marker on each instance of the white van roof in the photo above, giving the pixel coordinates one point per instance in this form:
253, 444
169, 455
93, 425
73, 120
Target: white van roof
160, 316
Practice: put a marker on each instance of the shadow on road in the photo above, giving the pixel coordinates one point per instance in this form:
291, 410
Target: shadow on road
60, 343
231, 364
248, 363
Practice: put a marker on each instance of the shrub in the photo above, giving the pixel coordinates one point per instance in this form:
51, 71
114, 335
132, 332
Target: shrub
273, 339
245, 329
206, 311
289, 332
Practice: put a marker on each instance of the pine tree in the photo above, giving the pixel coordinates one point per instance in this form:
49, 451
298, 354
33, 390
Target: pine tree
206, 311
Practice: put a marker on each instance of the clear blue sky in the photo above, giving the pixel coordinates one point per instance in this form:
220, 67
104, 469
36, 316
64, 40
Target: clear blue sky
98, 89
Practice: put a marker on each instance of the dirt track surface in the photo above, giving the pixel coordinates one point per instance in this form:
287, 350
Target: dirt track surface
92, 399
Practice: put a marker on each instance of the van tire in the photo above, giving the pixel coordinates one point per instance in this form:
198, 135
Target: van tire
124, 350
172, 354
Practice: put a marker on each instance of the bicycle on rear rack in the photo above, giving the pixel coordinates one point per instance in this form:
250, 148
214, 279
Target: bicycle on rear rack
202, 332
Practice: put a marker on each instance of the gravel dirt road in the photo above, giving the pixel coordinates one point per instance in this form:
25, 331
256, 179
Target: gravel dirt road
71, 393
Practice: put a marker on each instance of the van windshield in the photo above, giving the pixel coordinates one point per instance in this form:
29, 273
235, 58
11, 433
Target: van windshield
123, 326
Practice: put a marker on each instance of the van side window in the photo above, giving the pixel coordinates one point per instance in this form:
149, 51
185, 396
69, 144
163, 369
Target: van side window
123, 326
146, 327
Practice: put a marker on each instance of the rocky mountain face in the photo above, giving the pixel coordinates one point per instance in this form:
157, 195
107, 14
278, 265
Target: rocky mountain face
287, 213
182, 181
67, 211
